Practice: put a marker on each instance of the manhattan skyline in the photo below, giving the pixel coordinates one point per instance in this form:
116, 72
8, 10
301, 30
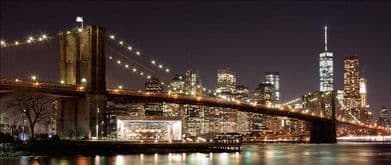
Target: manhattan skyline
250, 38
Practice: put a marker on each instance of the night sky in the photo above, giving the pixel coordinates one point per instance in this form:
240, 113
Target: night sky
249, 37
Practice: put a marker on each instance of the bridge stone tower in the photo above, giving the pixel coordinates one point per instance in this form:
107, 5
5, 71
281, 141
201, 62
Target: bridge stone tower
325, 131
82, 63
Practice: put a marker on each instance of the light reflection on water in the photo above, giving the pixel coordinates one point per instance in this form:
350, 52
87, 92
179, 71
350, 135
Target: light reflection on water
251, 154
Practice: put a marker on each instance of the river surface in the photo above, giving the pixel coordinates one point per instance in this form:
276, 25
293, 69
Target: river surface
284, 154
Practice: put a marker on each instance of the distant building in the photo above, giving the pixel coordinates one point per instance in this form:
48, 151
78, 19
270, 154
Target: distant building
273, 78
153, 84
263, 94
153, 109
326, 69
226, 83
352, 86
363, 92
241, 93
193, 85
177, 84
384, 118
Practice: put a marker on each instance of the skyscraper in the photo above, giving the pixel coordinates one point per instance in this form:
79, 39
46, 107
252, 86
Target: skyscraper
226, 83
273, 78
363, 92
326, 67
352, 83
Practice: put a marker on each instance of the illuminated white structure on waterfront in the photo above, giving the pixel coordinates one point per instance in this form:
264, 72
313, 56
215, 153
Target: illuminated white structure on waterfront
326, 67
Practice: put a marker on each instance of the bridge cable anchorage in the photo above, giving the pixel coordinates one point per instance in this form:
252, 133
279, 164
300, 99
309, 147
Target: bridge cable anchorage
137, 52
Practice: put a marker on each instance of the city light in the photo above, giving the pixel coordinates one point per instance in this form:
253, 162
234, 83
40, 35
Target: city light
33, 77
83, 80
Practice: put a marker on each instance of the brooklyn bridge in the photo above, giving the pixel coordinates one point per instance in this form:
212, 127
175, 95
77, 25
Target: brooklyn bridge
81, 58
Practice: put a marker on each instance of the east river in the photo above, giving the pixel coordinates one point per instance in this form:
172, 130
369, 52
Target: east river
284, 154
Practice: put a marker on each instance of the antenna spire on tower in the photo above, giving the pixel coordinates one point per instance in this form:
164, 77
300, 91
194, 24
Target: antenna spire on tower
325, 38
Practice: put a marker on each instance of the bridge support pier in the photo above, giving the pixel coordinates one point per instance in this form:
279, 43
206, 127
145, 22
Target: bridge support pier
323, 132
82, 63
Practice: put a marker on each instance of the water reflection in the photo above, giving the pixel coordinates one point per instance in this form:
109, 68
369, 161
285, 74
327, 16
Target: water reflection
251, 154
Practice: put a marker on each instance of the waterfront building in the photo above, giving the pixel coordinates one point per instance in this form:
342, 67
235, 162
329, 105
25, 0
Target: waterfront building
384, 118
326, 69
273, 78
243, 123
149, 128
226, 83
352, 86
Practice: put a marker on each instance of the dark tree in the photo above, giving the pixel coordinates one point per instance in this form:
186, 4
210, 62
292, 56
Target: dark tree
34, 108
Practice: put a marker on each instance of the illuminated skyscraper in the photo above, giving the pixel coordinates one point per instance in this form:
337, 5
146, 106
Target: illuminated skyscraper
363, 92
326, 67
352, 83
273, 78
226, 83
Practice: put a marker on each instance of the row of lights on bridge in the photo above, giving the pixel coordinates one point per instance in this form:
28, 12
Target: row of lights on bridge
29, 40
133, 69
130, 48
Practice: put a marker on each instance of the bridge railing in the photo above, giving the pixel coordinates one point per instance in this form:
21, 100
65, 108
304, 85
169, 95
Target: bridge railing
41, 85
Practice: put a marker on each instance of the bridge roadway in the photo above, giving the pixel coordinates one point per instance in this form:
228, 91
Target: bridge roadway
141, 96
